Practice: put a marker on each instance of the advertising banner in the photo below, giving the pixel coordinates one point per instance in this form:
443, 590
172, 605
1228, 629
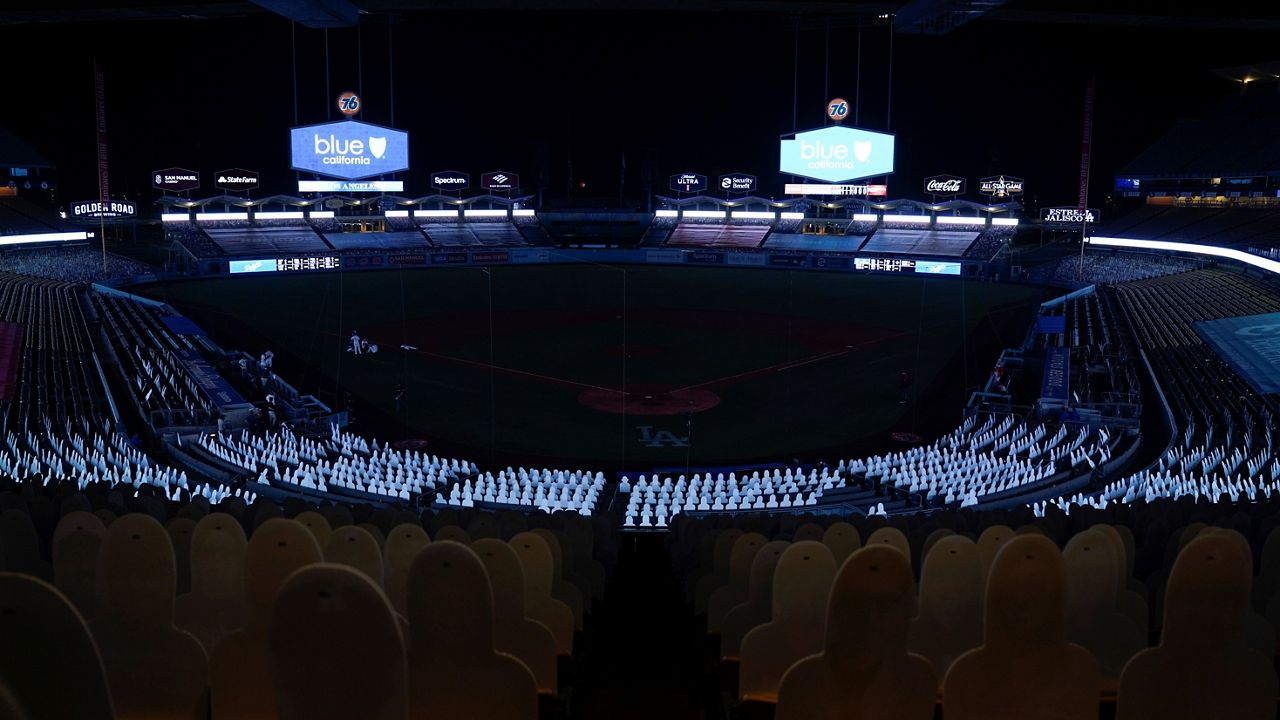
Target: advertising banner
236, 179
175, 179
829, 262
99, 210
1069, 216
450, 181
949, 185
837, 154
738, 183
1001, 186
350, 186
349, 149
688, 182
1057, 372
1250, 344
450, 258
500, 180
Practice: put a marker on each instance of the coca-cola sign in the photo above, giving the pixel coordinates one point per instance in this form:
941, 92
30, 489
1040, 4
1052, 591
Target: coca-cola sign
944, 185
1001, 186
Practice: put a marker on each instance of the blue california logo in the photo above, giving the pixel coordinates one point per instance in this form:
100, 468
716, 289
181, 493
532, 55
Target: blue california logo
349, 149
837, 154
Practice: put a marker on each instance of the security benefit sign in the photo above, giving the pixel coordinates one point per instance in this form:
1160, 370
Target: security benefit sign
95, 210
349, 149
688, 183
1068, 216
738, 183
836, 154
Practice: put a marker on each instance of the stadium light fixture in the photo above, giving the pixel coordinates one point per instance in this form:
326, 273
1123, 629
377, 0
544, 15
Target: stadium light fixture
44, 238
703, 214
865, 217
523, 212
216, 216
751, 215
174, 217
791, 215
960, 220
1257, 261
666, 213
908, 219
396, 213
1011, 222
320, 214
435, 213
484, 212
293, 215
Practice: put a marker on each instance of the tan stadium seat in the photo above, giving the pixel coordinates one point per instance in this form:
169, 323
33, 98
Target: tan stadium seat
216, 605
375, 532
949, 620
454, 670
989, 544
931, 539
317, 524
734, 592
1025, 668
354, 547
180, 530
864, 669
808, 532
757, 609
77, 540
484, 525
240, 668
154, 669
561, 588
842, 539
454, 533
893, 537
536, 562
20, 545
1094, 620
1202, 667
48, 659
718, 573
801, 585
1130, 602
332, 621
514, 632
1259, 634
404, 542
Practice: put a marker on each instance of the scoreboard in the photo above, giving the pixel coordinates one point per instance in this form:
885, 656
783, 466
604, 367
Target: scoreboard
291, 264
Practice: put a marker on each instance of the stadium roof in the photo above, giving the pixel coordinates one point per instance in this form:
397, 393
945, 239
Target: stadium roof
16, 153
1237, 139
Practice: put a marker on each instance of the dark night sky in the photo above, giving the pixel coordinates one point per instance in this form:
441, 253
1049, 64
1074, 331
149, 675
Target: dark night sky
693, 91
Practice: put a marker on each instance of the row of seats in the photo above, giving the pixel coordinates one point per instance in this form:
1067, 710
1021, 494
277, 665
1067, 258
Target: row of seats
819, 621
1224, 440
160, 610
718, 236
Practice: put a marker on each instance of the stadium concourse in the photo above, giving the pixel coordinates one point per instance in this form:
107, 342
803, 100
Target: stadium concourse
175, 510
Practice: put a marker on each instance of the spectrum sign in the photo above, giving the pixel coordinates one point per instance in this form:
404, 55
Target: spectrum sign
836, 154
349, 149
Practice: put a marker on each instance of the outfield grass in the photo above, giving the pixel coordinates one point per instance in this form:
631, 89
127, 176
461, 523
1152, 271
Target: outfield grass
778, 364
